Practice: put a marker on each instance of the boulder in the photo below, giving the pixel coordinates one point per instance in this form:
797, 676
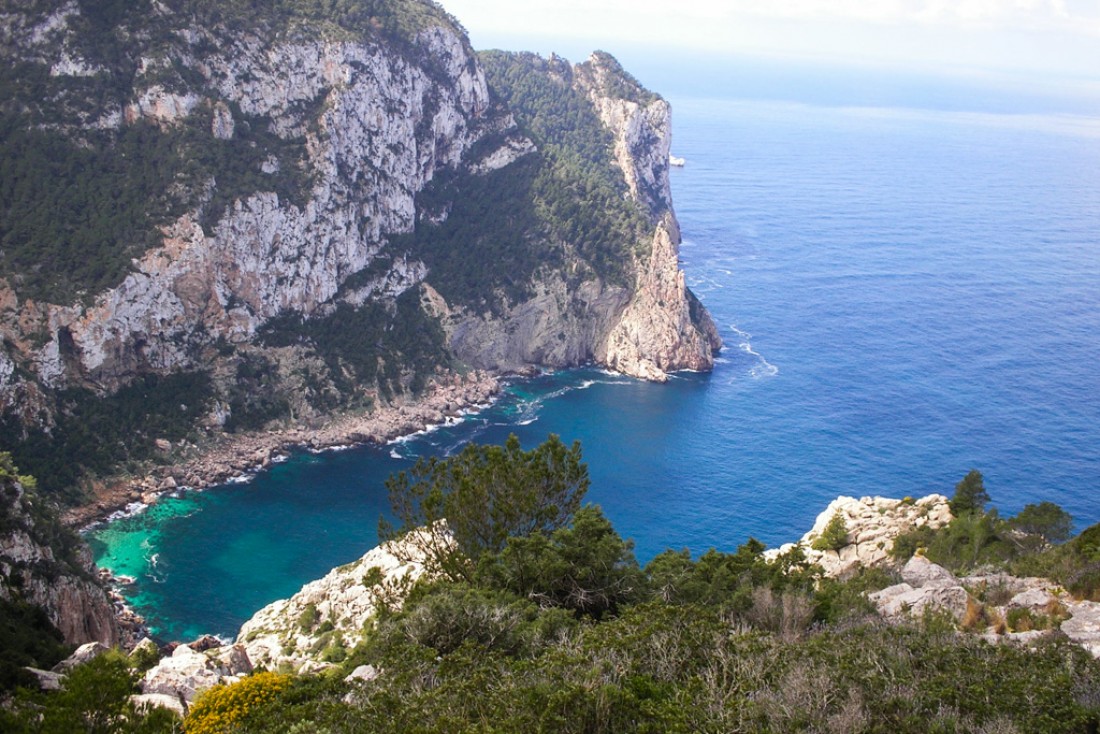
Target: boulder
235, 659
48, 680
901, 602
84, 653
146, 701
920, 572
1033, 600
365, 673
186, 672
145, 647
1083, 627
204, 643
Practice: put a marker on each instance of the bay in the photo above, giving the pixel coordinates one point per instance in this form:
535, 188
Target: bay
904, 295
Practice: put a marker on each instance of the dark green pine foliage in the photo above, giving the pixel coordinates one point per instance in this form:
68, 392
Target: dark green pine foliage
568, 200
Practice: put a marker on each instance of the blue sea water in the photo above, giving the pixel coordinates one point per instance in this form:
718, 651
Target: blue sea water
904, 295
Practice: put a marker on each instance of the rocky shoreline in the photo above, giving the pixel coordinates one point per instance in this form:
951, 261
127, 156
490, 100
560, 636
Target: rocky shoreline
229, 456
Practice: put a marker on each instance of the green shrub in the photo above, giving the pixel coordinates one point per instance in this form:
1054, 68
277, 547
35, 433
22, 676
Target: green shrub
834, 536
308, 618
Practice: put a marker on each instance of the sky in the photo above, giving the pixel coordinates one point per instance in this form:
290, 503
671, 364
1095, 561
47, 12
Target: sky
1032, 40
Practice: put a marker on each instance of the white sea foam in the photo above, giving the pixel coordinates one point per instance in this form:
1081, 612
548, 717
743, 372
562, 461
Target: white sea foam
762, 368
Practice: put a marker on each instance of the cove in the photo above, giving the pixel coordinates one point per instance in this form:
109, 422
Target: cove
904, 295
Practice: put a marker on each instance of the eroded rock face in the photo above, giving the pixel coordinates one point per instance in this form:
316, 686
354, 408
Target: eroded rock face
64, 587
374, 124
873, 524
305, 630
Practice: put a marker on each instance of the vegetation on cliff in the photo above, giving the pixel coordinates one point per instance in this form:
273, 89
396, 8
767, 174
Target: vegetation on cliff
565, 203
92, 177
1033, 543
27, 637
555, 627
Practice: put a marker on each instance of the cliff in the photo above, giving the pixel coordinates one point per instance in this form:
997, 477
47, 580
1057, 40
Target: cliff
223, 217
45, 565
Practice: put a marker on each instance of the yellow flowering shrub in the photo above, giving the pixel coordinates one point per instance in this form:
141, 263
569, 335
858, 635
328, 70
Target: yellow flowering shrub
225, 708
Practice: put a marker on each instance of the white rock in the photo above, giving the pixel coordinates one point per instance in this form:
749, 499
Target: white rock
365, 673
1083, 627
146, 701
275, 636
1036, 600
83, 654
921, 572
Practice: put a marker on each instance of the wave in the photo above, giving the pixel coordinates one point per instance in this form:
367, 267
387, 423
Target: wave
762, 368
335, 448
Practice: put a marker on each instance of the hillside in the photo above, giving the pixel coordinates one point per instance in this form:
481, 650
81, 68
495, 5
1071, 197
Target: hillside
214, 220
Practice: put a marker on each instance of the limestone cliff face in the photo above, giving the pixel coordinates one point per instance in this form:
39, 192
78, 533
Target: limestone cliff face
32, 570
385, 127
647, 330
361, 121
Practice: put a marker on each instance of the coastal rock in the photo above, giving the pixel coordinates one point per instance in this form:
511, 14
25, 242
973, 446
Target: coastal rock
85, 653
48, 680
186, 672
65, 587
331, 613
1033, 600
1083, 627
364, 673
902, 602
145, 701
873, 524
920, 572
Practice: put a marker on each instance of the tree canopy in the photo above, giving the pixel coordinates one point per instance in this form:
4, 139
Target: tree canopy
487, 494
970, 494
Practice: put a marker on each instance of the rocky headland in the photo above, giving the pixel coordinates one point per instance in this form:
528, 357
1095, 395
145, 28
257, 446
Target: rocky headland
307, 632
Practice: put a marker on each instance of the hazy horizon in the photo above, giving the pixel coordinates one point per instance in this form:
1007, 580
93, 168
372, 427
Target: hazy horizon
1003, 56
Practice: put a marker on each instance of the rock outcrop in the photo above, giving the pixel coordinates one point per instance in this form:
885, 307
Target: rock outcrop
873, 523
329, 615
925, 587
348, 126
308, 632
1001, 607
61, 580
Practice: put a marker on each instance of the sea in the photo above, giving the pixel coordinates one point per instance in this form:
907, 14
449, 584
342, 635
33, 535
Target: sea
906, 291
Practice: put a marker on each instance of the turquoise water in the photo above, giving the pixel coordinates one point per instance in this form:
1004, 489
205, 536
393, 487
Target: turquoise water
904, 295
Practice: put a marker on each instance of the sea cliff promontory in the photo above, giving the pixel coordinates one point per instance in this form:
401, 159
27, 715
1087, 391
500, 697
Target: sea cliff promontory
313, 213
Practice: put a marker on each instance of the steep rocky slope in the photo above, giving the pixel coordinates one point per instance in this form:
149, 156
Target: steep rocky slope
216, 216
43, 564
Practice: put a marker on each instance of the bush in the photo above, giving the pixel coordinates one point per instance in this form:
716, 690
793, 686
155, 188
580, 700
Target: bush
834, 536
1045, 519
970, 494
230, 708
586, 568
488, 494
